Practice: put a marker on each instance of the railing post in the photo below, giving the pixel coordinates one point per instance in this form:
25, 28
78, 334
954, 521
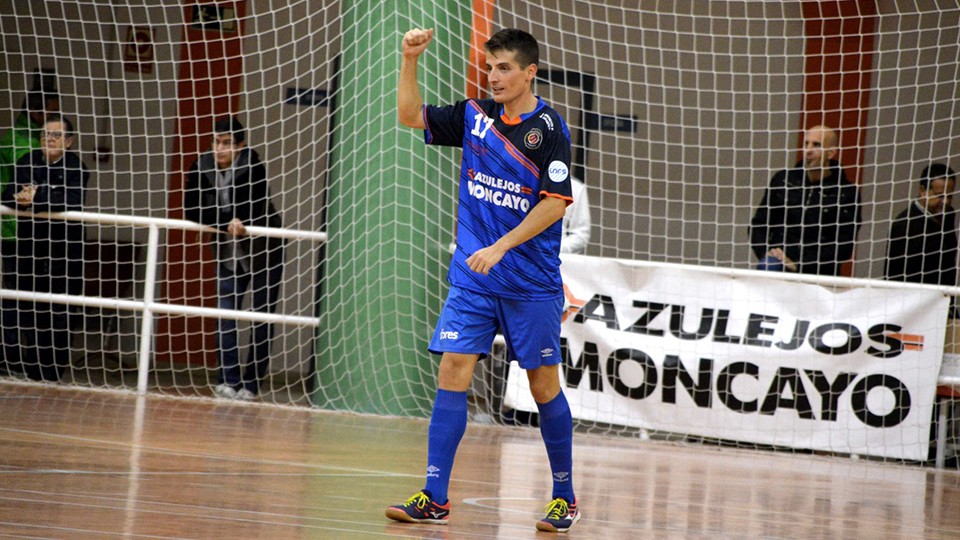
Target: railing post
146, 325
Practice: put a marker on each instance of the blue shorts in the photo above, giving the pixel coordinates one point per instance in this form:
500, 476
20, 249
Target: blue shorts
470, 321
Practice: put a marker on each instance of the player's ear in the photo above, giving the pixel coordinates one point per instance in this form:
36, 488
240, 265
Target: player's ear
531, 72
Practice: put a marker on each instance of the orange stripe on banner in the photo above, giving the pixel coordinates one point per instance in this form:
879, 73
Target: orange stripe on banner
481, 27
911, 342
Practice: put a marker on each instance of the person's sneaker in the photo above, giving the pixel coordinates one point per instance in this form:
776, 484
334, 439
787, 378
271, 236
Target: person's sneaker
420, 509
225, 391
561, 515
245, 395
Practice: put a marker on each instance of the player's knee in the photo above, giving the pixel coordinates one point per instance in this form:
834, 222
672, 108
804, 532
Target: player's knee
456, 371
544, 383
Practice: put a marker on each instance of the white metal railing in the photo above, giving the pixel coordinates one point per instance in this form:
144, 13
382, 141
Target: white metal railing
147, 306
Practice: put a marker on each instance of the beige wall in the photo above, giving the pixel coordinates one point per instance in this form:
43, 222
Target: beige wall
716, 98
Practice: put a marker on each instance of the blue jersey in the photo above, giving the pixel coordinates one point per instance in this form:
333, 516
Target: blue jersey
507, 167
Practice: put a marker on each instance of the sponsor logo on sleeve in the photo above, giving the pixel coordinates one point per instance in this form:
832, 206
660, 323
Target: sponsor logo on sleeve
558, 171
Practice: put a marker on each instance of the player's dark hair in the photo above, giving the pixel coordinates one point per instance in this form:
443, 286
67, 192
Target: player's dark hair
933, 172
67, 124
520, 43
230, 124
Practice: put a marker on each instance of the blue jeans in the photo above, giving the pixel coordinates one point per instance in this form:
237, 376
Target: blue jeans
231, 287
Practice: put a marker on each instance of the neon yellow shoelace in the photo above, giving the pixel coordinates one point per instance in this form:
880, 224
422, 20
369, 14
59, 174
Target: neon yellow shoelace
557, 509
419, 499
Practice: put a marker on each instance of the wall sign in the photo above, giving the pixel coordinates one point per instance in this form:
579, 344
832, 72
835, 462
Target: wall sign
213, 17
138, 50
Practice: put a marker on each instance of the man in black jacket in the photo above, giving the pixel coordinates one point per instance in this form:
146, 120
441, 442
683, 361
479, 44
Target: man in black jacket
808, 218
923, 238
49, 251
227, 188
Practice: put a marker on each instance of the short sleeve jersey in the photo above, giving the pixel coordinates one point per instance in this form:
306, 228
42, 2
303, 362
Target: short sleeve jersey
507, 167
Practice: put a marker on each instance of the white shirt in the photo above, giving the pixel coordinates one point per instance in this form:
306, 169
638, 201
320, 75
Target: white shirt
576, 221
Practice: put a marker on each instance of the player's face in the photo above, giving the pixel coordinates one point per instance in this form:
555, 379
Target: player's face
818, 149
54, 141
938, 196
225, 149
508, 80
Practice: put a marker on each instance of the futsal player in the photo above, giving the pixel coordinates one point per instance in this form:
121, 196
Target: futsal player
505, 273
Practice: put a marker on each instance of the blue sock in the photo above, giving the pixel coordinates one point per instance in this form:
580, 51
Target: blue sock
556, 427
447, 424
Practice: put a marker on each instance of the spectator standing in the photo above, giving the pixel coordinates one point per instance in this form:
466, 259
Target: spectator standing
808, 218
228, 189
49, 252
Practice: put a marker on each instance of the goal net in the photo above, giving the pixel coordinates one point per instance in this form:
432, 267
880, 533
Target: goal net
682, 116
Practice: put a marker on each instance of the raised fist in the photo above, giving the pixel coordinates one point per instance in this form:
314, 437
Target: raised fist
415, 41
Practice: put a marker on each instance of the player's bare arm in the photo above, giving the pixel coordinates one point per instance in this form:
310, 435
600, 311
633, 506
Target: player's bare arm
409, 101
547, 212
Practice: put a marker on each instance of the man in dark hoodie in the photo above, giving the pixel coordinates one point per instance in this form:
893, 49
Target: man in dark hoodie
227, 188
808, 218
923, 238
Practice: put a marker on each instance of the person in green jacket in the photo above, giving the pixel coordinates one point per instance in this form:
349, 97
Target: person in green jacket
22, 139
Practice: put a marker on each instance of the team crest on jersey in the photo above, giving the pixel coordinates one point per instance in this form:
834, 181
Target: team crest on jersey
533, 138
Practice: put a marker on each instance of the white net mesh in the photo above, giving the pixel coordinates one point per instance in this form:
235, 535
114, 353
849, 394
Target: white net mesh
680, 115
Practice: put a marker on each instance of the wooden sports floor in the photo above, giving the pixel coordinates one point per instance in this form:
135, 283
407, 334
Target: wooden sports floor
95, 464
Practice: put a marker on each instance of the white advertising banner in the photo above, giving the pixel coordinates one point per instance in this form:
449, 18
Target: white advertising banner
750, 359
